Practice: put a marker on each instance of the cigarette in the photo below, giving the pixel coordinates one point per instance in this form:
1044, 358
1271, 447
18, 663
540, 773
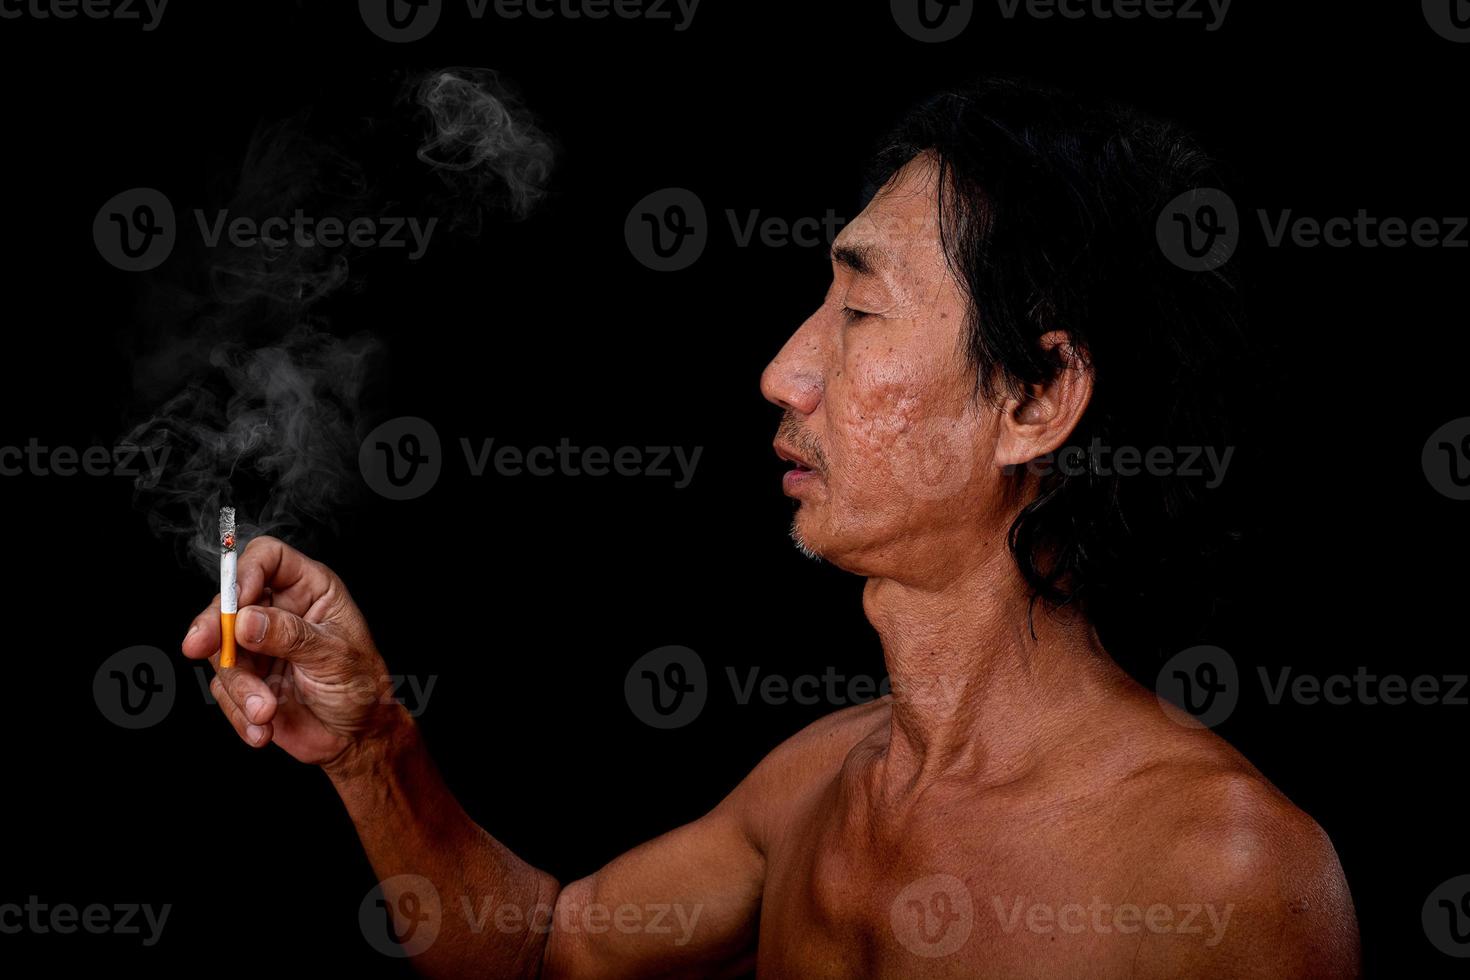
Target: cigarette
228, 597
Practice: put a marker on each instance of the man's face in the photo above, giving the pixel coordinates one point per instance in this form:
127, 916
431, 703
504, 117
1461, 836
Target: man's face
897, 454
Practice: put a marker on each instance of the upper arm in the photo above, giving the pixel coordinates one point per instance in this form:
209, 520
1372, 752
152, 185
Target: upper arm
687, 904
683, 904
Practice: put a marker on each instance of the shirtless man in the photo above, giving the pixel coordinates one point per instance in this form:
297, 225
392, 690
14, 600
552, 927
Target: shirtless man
1018, 806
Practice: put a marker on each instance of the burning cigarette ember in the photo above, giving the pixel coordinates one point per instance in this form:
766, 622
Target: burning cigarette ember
228, 597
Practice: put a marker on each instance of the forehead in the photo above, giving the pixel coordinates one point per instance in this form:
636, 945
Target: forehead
900, 226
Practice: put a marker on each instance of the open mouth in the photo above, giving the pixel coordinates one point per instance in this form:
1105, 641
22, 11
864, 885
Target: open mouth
801, 469
798, 463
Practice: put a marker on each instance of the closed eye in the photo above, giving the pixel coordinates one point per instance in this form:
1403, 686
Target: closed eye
849, 314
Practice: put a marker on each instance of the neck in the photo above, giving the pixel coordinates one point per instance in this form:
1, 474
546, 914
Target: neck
974, 692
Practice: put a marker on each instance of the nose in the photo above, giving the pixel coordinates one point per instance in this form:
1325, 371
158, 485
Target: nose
793, 379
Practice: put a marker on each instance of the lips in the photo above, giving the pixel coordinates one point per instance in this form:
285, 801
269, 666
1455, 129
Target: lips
792, 456
802, 472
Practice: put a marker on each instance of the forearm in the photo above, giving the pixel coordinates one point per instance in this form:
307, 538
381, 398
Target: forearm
410, 824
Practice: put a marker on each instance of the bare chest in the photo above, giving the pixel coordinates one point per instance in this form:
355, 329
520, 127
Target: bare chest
952, 891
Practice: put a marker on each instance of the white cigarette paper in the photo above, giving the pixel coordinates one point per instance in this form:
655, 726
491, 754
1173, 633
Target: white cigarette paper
228, 590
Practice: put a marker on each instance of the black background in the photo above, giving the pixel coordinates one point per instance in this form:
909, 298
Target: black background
527, 599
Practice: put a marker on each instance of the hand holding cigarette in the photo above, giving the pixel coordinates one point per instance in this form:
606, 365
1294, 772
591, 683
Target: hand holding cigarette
307, 675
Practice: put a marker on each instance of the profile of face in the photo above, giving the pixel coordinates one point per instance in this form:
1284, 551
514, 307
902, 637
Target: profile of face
901, 468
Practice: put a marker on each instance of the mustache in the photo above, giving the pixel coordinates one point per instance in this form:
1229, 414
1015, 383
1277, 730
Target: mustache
791, 431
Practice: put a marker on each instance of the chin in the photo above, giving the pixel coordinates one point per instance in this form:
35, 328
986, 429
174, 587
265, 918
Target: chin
814, 535
802, 538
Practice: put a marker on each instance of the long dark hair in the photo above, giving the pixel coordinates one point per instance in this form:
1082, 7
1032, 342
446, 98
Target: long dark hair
1049, 206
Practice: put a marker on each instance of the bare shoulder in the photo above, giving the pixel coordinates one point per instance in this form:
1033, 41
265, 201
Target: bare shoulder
795, 774
1215, 832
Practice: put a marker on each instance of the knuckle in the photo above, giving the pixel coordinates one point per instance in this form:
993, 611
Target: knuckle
294, 635
238, 685
227, 705
263, 542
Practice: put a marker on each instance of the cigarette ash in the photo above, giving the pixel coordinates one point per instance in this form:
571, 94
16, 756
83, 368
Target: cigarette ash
226, 529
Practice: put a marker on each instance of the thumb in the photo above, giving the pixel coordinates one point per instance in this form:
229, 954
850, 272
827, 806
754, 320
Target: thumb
276, 632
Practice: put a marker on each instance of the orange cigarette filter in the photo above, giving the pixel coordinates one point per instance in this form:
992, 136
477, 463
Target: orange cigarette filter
228, 591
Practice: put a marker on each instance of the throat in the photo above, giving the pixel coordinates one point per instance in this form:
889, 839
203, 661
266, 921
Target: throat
981, 689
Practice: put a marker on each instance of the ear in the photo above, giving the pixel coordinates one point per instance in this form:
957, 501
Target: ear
1040, 420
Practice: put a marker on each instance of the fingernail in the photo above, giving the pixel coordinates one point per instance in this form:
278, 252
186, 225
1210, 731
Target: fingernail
254, 705
254, 625
255, 733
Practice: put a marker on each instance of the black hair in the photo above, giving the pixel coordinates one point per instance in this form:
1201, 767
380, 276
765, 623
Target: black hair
1049, 205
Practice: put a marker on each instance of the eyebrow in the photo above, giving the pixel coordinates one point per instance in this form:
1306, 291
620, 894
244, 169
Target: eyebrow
858, 258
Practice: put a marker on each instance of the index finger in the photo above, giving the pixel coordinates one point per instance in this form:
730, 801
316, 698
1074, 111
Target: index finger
296, 582
202, 640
